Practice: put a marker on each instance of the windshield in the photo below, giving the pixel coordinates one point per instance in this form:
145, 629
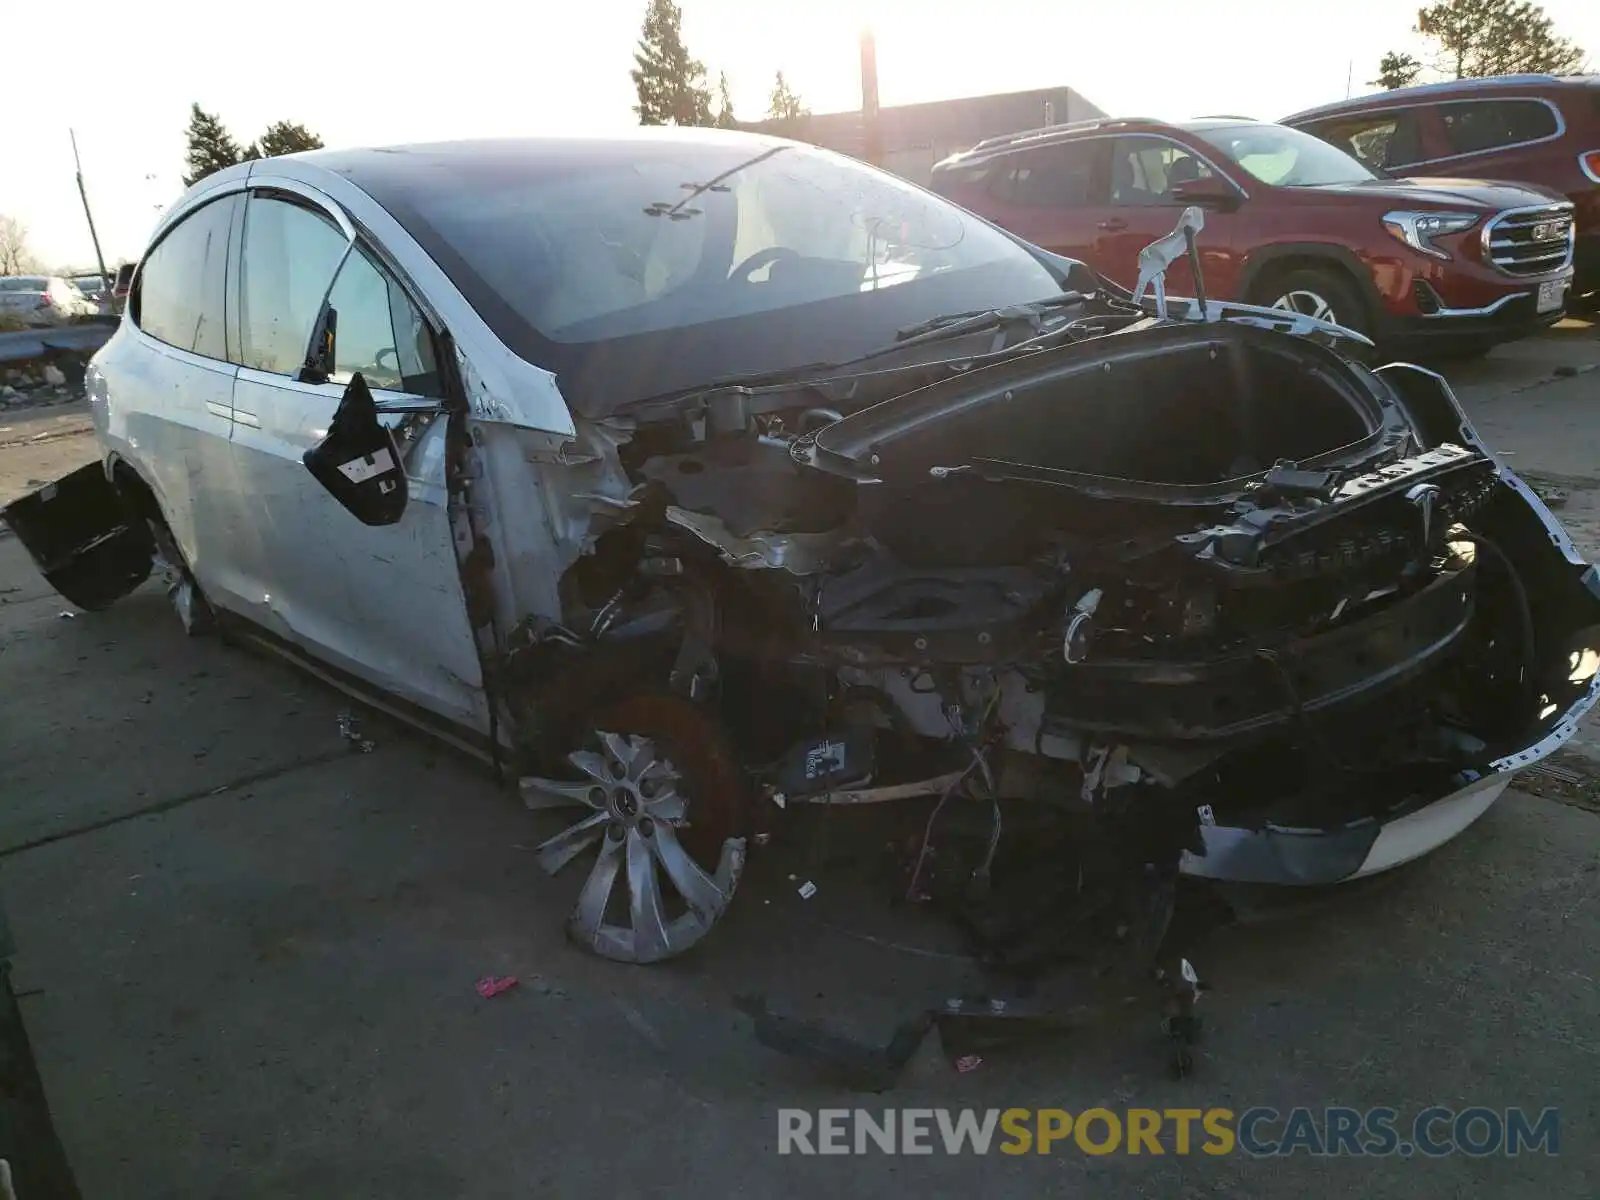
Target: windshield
24, 283
1285, 157
721, 254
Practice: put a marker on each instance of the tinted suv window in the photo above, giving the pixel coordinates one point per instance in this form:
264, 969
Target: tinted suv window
1049, 177
379, 332
1474, 125
290, 255
184, 279
1380, 140
1145, 170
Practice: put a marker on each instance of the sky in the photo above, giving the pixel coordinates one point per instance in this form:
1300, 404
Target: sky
366, 74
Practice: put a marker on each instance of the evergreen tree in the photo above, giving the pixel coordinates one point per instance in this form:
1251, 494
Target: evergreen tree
1396, 71
784, 107
671, 84
1478, 38
287, 137
211, 149
725, 117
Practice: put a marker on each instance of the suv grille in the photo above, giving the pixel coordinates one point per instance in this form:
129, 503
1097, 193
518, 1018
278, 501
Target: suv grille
1530, 241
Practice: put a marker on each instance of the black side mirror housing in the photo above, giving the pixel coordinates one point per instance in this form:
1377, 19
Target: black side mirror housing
358, 463
1213, 193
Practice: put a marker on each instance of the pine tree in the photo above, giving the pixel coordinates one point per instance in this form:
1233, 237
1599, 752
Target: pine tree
725, 117
671, 84
287, 137
1478, 38
211, 149
1396, 70
784, 107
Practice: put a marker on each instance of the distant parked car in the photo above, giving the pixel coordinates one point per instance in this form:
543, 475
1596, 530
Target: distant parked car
1540, 129
1293, 223
97, 289
43, 299
119, 288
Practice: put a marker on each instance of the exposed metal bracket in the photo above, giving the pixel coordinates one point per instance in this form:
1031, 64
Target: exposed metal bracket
1160, 254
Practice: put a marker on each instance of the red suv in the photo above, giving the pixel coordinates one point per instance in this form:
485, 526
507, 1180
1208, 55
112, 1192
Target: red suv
1292, 222
1539, 129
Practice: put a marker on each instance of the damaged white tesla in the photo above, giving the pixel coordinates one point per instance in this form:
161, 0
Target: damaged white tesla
694, 476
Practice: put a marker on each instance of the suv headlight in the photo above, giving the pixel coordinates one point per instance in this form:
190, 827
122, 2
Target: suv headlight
1418, 229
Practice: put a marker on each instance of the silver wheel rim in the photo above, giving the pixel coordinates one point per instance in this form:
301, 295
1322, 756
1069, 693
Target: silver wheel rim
633, 809
1307, 304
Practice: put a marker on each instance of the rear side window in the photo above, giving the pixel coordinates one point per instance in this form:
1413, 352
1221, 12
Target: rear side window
290, 255
1049, 177
1381, 141
183, 282
1472, 126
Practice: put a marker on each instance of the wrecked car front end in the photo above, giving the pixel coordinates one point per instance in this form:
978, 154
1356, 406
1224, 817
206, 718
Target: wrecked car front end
1217, 599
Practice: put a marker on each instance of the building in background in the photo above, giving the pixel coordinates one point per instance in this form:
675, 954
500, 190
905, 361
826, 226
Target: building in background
915, 136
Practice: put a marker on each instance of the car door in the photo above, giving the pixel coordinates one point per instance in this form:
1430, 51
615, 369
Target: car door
168, 390
383, 604
1144, 171
1048, 195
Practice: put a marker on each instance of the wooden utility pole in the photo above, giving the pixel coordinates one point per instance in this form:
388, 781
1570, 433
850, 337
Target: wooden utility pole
870, 129
105, 280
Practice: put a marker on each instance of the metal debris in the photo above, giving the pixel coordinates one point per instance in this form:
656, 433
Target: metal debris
350, 731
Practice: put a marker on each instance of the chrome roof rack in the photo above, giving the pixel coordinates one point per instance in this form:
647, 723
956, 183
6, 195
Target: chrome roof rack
1022, 135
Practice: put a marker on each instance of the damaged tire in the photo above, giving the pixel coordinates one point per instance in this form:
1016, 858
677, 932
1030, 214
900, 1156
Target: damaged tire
662, 803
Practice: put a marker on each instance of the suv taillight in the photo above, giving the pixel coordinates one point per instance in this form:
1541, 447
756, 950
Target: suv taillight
45, 301
1590, 164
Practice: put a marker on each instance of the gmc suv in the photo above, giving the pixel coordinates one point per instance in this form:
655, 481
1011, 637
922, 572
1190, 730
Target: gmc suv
1451, 265
1539, 129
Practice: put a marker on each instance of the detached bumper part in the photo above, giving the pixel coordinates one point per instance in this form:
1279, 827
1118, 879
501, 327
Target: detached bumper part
1564, 594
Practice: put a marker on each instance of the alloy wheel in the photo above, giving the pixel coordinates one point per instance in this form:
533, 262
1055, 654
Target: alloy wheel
648, 897
1306, 304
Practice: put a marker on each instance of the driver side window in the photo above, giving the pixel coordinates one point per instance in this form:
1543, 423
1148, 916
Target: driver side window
380, 332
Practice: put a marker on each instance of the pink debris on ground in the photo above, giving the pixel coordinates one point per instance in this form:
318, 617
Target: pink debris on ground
968, 1062
493, 985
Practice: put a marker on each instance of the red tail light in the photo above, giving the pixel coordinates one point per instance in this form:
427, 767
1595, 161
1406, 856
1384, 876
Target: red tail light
45, 301
1590, 163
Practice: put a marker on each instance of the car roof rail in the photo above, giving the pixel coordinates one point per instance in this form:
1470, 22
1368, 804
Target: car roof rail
1224, 117
1446, 85
1022, 135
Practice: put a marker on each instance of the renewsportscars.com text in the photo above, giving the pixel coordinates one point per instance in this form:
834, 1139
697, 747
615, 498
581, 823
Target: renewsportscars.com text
1259, 1132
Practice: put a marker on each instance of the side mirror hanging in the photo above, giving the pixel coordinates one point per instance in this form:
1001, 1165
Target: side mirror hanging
358, 463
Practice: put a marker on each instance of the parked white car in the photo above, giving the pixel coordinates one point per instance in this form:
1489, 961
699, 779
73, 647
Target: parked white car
43, 299
697, 476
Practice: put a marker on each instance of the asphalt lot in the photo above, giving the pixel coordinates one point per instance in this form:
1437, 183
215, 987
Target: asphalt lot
248, 954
